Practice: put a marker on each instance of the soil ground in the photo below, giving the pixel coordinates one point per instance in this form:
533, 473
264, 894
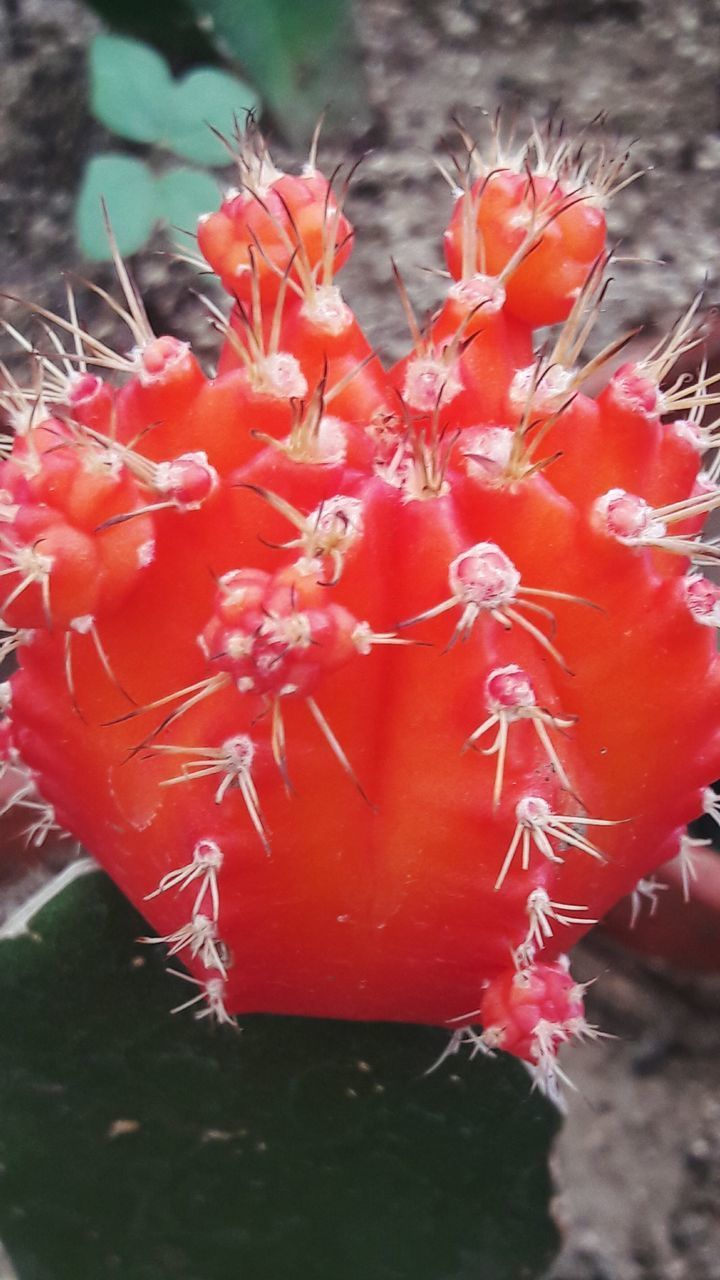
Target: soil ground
638, 1163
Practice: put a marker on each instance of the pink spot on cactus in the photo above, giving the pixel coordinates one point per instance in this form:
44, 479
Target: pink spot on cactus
430, 382
634, 391
84, 387
484, 577
486, 293
627, 517
161, 357
188, 480
507, 689
703, 599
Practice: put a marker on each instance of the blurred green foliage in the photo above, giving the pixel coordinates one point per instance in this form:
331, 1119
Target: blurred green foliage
136, 200
302, 55
171, 25
133, 93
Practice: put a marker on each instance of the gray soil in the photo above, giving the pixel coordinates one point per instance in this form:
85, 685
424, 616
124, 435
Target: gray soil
638, 1163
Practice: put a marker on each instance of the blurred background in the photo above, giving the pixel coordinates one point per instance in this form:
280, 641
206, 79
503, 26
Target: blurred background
637, 1165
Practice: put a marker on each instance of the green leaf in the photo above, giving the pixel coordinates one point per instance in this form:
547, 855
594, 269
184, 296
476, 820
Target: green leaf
203, 98
303, 56
133, 93
130, 195
183, 194
130, 86
138, 1145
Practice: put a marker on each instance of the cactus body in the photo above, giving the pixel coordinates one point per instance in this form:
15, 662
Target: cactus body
372, 689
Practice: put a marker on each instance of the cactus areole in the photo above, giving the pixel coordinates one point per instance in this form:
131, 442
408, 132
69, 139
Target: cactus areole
372, 689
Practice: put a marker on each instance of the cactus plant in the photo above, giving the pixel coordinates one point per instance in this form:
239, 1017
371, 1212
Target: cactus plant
372, 689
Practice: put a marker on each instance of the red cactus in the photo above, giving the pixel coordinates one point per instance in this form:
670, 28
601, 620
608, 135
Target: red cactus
372, 690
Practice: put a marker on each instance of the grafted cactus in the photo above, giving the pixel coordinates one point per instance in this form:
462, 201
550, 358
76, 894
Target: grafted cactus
372, 689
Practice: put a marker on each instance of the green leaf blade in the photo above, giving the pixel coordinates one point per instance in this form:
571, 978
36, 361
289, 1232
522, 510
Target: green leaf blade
130, 88
184, 194
128, 190
204, 98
